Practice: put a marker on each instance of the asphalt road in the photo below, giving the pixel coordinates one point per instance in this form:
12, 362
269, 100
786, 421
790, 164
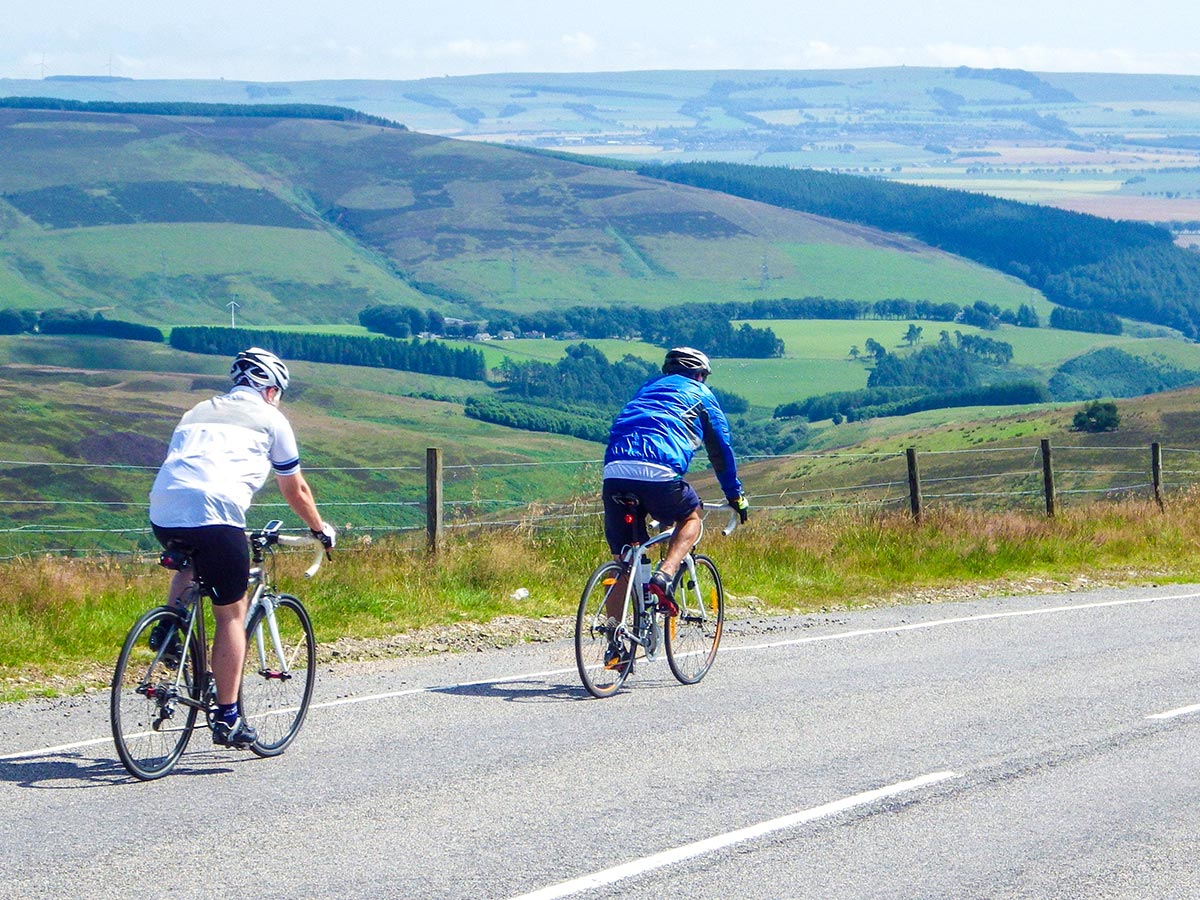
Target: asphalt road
1031, 747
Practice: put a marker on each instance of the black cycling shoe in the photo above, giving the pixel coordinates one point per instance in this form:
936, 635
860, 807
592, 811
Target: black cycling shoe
239, 736
662, 586
165, 632
616, 655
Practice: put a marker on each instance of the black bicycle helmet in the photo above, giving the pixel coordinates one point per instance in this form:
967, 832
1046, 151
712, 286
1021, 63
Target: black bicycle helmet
259, 369
686, 361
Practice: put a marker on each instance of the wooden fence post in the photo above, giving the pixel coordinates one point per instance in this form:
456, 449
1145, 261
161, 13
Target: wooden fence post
914, 483
1156, 472
1048, 477
433, 498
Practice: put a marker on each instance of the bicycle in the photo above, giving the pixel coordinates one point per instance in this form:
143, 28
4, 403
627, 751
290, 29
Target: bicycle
162, 682
690, 638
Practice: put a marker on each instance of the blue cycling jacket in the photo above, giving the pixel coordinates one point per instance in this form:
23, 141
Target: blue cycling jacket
668, 420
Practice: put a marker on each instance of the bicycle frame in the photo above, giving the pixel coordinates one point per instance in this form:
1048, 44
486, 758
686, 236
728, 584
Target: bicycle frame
691, 607
194, 604
263, 594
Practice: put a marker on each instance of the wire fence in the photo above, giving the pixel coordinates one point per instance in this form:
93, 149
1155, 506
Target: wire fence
79, 508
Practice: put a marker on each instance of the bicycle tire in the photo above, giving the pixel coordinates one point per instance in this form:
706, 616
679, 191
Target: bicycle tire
692, 637
276, 693
592, 636
150, 727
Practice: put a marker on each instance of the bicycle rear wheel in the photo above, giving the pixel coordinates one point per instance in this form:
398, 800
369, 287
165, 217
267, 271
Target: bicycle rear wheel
596, 637
150, 725
278, 678
693, 635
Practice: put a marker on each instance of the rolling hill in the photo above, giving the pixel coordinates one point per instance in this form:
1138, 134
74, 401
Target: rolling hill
168, 220
171, 220
1123, 146
86, 422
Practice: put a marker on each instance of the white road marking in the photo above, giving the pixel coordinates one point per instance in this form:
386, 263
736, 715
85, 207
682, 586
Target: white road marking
839, 636
939, 623
1173, 713
61, 748
722, 841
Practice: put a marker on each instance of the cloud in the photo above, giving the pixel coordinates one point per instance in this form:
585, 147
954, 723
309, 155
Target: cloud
474, 50
816, 54
1041, 58
579, 45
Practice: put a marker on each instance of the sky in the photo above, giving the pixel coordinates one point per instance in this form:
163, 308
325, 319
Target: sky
268, 40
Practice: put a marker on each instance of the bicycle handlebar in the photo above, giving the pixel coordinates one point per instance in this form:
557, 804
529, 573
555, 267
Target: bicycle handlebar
290, 540
734, 518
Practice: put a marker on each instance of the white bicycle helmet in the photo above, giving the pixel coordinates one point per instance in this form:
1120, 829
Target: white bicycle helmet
259, 369
686, 361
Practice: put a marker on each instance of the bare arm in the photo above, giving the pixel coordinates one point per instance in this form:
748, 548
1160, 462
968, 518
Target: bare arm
299, 497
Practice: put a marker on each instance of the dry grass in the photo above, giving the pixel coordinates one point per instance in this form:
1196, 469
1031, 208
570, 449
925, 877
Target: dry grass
62, 620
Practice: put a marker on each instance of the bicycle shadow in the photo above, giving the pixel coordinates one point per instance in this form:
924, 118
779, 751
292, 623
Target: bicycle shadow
517, 691
76, 772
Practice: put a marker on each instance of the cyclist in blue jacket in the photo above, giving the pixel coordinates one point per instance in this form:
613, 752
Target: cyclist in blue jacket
650, 445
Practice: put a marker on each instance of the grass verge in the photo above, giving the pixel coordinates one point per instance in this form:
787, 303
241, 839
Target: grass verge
62, 620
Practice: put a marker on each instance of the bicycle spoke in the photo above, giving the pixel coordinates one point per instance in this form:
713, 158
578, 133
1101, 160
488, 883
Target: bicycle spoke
692, 636
603, 651
151, 724
278, 675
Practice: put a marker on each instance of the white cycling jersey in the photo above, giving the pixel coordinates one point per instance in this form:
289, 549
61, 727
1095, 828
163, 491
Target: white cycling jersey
220, 455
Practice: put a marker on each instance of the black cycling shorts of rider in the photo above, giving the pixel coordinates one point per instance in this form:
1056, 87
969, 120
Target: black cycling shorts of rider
219, 553
664, 501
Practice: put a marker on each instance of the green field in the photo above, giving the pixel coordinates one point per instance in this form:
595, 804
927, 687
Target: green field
189, 273
817, 353
881, 274
817, 356
1040, 347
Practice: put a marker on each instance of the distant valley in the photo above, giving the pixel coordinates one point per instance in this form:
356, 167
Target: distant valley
1125, 146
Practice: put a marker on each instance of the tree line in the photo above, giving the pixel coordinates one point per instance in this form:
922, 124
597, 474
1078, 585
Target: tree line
1111, 372
1077, 260
214, 110
702, 325
1093, 320
946, 374
578, 395
532, 417
427, 357
74, 321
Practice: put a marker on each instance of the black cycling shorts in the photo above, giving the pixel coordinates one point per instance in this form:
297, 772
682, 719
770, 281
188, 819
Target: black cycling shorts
665, 501
220, 554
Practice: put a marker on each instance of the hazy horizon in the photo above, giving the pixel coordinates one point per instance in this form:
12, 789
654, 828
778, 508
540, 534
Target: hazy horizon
358, 39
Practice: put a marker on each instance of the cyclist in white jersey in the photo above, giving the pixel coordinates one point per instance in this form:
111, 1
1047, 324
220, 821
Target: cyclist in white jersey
220, 455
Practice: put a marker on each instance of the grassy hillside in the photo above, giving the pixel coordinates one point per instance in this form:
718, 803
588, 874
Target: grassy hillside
1109, 144
100, 401
303, 223
113, 403
167, 220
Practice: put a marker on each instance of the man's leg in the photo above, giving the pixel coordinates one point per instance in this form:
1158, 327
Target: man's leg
229, 649
614, 601
181, 583
687, 532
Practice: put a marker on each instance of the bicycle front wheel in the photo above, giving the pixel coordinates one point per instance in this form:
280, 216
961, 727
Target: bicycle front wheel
693, 635
603, 648
151, 722
279, 673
